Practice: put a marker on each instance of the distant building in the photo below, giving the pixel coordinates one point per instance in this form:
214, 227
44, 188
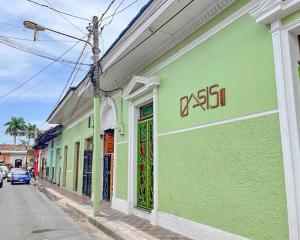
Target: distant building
15, 155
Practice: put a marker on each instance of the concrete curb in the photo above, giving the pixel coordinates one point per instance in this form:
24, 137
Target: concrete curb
69, 205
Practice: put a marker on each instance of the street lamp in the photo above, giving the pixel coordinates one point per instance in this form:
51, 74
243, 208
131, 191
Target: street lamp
96, 103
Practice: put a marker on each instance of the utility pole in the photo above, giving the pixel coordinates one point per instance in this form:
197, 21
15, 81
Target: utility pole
96, 132
96, 83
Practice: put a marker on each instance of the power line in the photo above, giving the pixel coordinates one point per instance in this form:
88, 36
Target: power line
39, 72
113, 15
123, 9
83, 58
152, 33
34, 51
65, 18
69, 79
34, 86
107, 9
40, 40
61, 12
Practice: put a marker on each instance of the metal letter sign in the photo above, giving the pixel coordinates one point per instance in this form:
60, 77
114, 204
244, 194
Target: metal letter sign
206, 98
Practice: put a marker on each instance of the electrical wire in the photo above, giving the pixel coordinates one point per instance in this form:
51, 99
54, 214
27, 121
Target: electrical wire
133, 31
104, 13
40, 40
39, 72
56, 10
123, 9
71, 75
65, 18
113, 15
64, 108
36, 52
34, 86
152, 33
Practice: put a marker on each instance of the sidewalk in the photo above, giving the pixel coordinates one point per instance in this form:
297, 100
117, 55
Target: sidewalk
112, 222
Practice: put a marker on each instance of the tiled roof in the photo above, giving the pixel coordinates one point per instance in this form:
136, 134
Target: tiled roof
11, 147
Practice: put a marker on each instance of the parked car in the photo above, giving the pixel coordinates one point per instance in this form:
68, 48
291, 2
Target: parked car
20, 176
1, 178
9, 175
5, 170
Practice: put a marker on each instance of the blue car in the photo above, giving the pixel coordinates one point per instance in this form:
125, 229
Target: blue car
20, 176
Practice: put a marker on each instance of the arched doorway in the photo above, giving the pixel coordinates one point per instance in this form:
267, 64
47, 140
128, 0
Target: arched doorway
108, 125
18, 163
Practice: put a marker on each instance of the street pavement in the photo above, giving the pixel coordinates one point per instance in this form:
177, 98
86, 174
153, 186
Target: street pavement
26, 213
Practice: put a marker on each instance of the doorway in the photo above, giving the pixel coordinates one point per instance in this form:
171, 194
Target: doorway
18, 163
65, 165
108, 164
76, 165
145, 158
87, 168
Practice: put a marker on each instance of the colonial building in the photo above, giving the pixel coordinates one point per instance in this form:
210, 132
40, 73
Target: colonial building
199, 120
15, 155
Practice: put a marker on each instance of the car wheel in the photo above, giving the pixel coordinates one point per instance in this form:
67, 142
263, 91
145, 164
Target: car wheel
28, 183
12, 183
1, 184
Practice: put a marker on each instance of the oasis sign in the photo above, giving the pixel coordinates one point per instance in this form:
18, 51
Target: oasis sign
205, 99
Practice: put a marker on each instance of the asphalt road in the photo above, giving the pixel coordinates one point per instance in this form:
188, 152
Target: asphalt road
27, 214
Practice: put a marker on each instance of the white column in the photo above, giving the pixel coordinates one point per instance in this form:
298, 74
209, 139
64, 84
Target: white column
287, 115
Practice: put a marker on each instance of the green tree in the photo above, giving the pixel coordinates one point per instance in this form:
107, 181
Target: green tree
31, 131
15, 127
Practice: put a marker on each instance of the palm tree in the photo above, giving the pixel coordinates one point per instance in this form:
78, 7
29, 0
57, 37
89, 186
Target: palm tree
15, 127
31, 131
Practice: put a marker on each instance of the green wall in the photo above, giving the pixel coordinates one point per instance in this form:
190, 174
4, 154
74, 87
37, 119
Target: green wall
228, 176
78, 133
238, 58
291, 18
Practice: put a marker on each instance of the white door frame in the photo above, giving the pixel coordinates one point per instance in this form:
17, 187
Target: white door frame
132, 157
108, 103
286, 78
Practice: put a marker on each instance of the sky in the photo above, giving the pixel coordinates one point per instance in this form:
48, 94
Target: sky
35, 100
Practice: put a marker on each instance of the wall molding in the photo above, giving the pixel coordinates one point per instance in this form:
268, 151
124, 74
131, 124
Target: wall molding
193, 229
222, 122
268, 11
288, 124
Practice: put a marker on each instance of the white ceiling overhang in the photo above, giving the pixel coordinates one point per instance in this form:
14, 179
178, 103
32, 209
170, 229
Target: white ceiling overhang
162, 26
268, 11
76, 102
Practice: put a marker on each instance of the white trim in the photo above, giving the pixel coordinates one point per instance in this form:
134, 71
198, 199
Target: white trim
120, 205
193, 229
129, 38
288, 125
119, 143
133, 117
269, 11
220, 26
155, 159
107, 103
250, 116
88, 114
148, 84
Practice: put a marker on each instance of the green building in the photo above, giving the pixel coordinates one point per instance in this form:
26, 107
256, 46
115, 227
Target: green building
202, 134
